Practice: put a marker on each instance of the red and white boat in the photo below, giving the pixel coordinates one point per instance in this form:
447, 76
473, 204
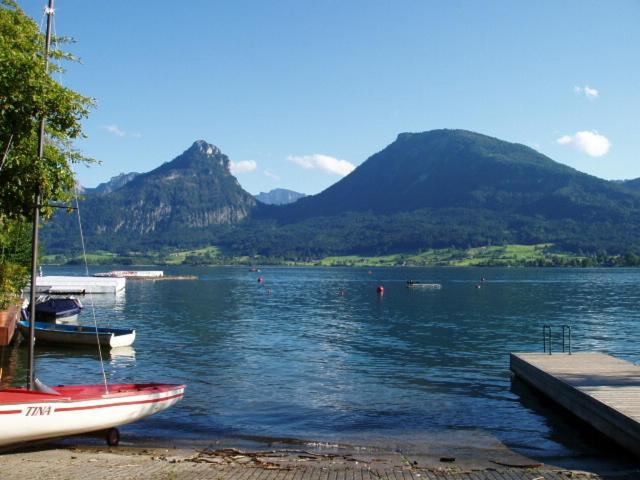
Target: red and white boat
38, 412
28, 415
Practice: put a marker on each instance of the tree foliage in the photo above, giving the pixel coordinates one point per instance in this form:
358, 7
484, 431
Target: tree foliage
28, 93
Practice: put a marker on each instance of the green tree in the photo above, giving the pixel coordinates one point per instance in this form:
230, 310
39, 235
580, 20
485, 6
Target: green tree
28, 93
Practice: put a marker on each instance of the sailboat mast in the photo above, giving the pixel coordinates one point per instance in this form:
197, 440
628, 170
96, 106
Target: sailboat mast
36, 215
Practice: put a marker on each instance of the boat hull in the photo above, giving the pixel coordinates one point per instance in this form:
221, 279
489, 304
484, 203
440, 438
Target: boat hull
79, 335
29, 416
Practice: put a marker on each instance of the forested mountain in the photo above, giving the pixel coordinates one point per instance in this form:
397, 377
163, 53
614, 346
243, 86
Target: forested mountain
635, 183
461, 169
434, 189
194, 191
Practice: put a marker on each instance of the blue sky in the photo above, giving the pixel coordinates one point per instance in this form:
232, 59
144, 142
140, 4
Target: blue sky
297, 93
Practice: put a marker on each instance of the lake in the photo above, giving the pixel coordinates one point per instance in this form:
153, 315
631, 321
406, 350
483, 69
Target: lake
316, 354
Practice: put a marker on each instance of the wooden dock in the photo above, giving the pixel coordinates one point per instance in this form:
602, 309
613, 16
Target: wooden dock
602, 390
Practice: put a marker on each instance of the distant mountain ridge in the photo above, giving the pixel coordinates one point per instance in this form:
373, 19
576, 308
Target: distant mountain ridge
113, 184
438, 188
279, 196
635, 183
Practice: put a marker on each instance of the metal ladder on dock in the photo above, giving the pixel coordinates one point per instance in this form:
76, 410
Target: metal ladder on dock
566, 339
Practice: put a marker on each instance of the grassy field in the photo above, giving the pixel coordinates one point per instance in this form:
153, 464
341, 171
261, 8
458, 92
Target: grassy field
198, 256
543, 254
504, 255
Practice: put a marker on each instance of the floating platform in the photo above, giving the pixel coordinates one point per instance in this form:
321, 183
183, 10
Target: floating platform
432, 286
62, 285
602, 390
166, 277
131, 274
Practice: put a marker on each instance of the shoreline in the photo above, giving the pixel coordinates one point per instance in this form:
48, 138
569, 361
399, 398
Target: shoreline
87, 456
73, 459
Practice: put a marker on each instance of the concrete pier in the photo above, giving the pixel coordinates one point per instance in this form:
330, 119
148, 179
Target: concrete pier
602, 390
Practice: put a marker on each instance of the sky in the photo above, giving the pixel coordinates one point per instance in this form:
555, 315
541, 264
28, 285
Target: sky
299, 92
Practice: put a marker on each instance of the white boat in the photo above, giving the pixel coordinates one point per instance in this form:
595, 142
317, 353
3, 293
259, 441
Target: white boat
29, 415
79, 335
38, 412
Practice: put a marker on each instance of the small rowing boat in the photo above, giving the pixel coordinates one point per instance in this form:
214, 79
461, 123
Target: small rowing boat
62, 334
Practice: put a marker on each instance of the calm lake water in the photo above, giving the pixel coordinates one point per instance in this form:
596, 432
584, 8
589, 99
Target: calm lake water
291, 358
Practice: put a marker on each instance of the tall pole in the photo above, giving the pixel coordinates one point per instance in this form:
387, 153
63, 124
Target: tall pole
36, 215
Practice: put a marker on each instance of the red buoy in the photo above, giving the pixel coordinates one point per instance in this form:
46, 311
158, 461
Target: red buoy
380, 290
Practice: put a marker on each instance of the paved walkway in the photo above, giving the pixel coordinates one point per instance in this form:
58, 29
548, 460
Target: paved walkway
116, 464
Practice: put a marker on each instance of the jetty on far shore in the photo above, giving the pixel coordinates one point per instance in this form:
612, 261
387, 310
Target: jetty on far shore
131, 274
143, 275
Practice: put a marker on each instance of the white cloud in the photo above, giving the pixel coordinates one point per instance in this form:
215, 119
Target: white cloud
272, 175
589, 92
115, 129
242, 166
119, 132
323, 162
590, 142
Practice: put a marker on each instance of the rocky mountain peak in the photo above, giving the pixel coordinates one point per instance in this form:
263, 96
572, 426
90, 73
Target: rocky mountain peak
204, 148
201, 156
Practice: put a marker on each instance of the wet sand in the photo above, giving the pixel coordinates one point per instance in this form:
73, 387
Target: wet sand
73, 459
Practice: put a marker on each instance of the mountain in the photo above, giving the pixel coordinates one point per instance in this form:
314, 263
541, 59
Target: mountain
461, 169
450, 188
113, 184
194, 191
442, 188
279, 196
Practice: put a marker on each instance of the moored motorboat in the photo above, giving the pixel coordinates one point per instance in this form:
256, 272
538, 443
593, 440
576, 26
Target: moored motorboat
62, 334
58, 310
